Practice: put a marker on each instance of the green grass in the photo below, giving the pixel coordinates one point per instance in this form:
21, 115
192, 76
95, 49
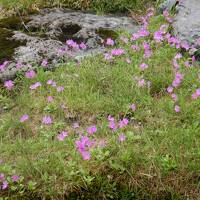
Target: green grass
159, 158
100, 6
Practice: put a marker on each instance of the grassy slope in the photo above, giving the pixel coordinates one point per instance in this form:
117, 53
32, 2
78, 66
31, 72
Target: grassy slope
159, 158
101, 6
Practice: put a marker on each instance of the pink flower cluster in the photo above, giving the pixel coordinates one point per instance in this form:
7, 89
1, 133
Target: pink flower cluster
110, 42
147, 50
62, 136
4, 183
9, 84
114, 125
196, 94
72, 44
35, 86
178, 79
83, 145
47, 120
91, 130
4, 65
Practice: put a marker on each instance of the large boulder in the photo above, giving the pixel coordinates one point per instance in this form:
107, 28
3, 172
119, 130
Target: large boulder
44, 34
187, 21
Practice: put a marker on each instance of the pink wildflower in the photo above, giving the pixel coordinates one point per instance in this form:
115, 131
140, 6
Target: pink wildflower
4, 185
147, 54
146, 46
196, 94
91, 130
178, 56
170, 89
175, 64
133, 107
60, 89
167, 17
82, 46
135, 47
177, 108
35, 85
110, 118
24, 118
135, 36
44, 63
185, 45
19, 65
141, 83
158, 37
30, 74
122, 137
198, 41
110, 42
117, 52
123, 122
107, 56
178, 78
72, 44
50, 99
2, 177
62, 135
4, 65
112, 125
174, 97
143, 32
51, 82
193, 59
143, 66
47, 120
85, 155
9, 84
15, 178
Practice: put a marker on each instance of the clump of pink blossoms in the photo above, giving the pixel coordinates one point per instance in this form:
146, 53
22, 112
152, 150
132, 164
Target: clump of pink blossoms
91, 130
112, 125
196, 94
35, 85
110, 42
30, 74
124, 122
143, 66
4, 65
24, 118
122, 137
9, 84
47, 120
117, 52
83, 145
62, 135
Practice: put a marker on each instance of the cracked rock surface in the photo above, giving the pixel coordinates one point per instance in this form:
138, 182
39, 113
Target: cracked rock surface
45, 34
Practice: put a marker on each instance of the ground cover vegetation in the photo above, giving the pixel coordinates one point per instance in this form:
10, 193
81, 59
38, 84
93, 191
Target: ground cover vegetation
119, 125
100, 6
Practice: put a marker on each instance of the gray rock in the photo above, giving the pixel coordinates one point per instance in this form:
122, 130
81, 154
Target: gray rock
46, 33
187, 21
